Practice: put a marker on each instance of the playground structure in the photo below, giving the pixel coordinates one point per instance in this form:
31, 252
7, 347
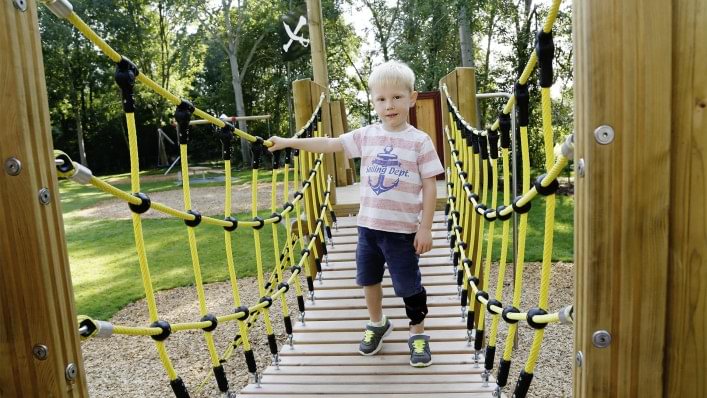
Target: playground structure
640, 207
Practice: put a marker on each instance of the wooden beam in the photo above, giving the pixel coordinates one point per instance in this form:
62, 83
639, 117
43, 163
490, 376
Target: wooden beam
622, 80
338, 127
36, 296
686, 320
317, 43
302, 98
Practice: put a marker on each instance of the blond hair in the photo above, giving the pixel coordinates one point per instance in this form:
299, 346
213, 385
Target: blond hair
392, 73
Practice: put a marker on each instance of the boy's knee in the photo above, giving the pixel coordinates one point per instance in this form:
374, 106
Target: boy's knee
416, 307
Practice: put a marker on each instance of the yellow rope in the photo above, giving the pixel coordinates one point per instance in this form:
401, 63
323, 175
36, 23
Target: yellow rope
140, 244
504, 246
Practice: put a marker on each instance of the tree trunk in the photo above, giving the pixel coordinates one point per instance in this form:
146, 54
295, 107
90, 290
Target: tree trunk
240, 107
465, 40
79, 133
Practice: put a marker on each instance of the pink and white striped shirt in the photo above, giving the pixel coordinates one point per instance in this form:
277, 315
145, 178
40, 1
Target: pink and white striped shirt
393, 165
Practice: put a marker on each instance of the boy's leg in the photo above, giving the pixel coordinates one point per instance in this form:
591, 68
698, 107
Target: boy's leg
369, 274
374, 301
403, 264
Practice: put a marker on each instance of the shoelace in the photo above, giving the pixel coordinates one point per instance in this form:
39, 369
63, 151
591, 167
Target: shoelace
418, 346
368, 336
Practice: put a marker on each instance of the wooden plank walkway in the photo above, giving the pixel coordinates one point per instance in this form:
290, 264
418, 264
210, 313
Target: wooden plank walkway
324, 360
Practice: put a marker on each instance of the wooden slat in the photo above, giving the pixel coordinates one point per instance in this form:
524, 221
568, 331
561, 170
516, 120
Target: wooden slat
376, 360
465, 369
351, 247
353, 238
351, 221
352, 230
389, 348
368, 389
388, 302
449, 311
355, 337
387, 292
350, 273
427, 280
424, 261
438, 252
357, 325
386, 395
373, 378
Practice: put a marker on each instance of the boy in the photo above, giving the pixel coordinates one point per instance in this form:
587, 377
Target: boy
397, 163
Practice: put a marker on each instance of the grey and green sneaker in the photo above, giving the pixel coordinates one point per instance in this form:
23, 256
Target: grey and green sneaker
372, 340
420, 355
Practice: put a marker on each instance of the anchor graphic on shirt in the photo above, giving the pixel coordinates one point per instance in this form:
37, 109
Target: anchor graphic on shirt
385, 160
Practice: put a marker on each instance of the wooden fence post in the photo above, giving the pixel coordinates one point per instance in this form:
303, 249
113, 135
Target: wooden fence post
686, 319
623, 191
39, 343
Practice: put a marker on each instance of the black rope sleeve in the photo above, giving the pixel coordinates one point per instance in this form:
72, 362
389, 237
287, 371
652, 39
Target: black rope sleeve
180, 390
250, 360
503, 368
288, 324
221, 380
523, 384
272, 343
490, 357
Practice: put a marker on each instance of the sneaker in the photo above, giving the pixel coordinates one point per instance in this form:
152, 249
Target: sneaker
372, 340
420, 355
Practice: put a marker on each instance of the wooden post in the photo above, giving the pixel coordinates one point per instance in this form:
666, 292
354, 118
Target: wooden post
301, 94
339, 127
321, 74
317, 43
36, 297
686, 319
623, 192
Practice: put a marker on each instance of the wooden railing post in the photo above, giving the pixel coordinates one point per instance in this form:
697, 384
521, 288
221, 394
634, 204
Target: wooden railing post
623, 192
39, 343
339, 126
686, 319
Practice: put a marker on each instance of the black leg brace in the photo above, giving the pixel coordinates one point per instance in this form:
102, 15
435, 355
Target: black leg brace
416, 307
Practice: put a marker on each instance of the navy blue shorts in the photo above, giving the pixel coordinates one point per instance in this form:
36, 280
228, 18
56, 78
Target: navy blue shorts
376, 248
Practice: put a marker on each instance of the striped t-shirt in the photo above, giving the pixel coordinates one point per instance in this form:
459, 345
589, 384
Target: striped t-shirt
393, 165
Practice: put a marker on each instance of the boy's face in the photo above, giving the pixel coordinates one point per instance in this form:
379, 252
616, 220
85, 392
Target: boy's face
392, 104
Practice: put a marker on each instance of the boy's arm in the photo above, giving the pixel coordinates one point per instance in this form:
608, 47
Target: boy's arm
316, 144
423, 238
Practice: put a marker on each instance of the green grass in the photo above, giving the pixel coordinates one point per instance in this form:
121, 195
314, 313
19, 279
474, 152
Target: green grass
563, 240
105, 269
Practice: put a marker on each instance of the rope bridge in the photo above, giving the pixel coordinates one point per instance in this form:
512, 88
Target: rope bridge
470, 221
315, 193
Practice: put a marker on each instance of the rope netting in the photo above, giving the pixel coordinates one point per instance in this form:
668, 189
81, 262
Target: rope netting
472, 217
309, 170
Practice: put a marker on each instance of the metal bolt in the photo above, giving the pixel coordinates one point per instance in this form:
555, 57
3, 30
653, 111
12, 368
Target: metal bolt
71, 372
40, 352
20, 5
580, 167
13, 166
604, 134
44, 196
579, 358
601, 339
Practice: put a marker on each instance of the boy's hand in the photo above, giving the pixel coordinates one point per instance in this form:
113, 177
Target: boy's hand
278, 143
423, 240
